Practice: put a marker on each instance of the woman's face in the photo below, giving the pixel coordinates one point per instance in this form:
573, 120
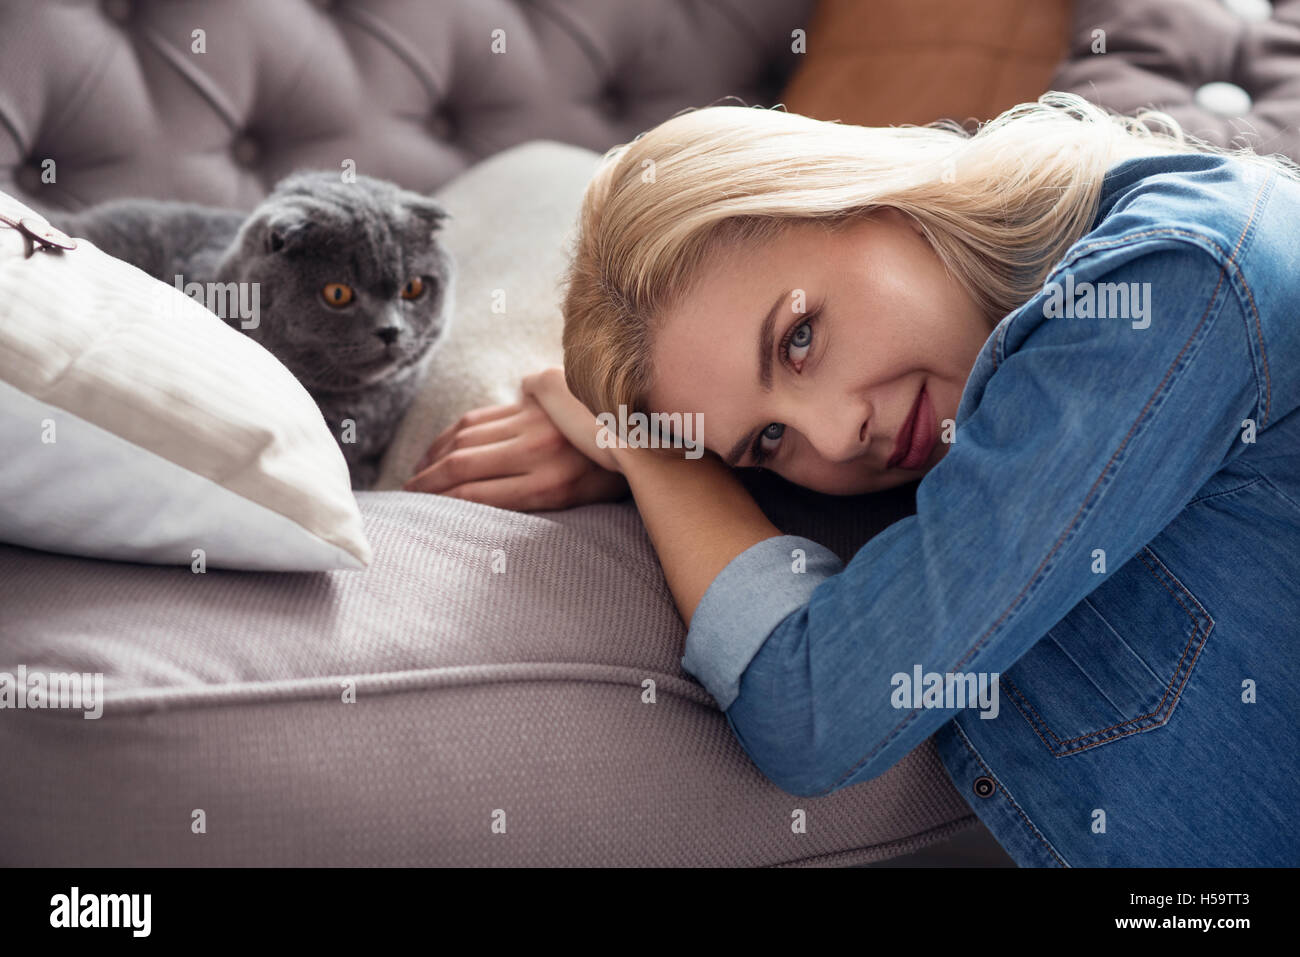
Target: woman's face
884, 331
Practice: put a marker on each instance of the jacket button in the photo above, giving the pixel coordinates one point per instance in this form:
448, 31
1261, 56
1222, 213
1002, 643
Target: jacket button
984, 786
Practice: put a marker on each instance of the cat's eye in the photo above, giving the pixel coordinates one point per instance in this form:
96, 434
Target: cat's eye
414, 288
337, 294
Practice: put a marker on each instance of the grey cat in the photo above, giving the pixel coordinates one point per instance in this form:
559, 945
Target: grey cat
352, 291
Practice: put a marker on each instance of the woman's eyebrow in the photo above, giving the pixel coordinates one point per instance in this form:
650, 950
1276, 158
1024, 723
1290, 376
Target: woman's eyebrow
766, 342
766, 346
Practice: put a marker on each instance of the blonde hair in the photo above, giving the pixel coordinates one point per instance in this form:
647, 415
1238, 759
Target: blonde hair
1000, 208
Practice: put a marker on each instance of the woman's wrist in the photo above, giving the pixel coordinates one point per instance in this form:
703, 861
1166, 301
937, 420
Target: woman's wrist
698, 514
636, 460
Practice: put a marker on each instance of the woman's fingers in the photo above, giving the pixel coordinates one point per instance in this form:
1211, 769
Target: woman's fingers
520, 493
498, 430
546, 489
496, 459
470, 420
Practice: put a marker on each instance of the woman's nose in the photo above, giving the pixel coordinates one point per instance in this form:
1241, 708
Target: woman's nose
840, 434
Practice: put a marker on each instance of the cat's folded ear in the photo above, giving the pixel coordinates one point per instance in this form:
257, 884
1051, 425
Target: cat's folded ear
428, 211
283, 235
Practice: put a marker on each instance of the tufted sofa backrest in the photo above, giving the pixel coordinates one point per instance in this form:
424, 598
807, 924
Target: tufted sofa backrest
1227, 70
214, 100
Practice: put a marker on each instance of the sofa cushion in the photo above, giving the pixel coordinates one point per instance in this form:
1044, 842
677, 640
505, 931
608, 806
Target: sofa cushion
1227, 70
487, 661
890, 62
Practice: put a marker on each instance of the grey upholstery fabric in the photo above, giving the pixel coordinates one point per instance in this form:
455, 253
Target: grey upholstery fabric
113, 92
1175, 54
476, 691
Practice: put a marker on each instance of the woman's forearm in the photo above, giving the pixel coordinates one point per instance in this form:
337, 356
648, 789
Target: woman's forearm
699, 517
698, 514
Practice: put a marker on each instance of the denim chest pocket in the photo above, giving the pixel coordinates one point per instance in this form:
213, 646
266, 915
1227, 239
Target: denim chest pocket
1116, 664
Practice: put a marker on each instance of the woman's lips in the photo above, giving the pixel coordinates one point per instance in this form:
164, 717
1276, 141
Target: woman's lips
917, 436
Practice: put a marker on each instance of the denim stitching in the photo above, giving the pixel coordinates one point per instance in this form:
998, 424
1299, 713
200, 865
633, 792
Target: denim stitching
1230, 261
1263, 353
1276, 489
974, 649
1178, 670
1007, 794
997, 345
1227, 491
1089, 498
1231, 258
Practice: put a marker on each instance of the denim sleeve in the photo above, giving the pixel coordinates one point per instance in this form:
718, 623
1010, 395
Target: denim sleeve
1074, 434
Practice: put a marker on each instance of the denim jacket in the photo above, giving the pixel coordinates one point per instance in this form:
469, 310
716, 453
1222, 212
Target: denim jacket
1109, 550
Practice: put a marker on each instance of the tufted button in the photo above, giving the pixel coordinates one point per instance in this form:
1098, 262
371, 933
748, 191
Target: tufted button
442, 124
246, 151
1226, 99
118, 10
1250, 9
29, 177
984, 786
610, 100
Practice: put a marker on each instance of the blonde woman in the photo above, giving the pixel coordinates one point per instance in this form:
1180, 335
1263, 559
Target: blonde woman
1081, 333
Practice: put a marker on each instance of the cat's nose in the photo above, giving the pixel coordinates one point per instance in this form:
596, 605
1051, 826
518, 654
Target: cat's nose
388, 334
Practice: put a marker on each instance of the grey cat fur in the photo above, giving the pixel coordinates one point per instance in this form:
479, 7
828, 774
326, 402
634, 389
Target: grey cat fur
362, 362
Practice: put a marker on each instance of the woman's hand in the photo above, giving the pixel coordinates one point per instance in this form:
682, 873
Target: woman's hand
515, 456
575, 420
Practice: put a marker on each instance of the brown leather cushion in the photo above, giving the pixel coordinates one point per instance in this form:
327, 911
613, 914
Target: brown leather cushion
887, 62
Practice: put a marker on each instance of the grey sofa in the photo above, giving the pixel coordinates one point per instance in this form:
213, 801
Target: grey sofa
476, 698
114, 92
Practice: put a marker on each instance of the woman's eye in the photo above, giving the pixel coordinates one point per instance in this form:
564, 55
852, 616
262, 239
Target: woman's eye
337, 294
800, 339
413, 289
770, 434
794, 349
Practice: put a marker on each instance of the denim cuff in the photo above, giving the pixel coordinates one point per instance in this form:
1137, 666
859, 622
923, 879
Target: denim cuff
752, 595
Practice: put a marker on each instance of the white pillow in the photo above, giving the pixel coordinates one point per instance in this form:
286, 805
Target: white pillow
136, 425
513, 217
